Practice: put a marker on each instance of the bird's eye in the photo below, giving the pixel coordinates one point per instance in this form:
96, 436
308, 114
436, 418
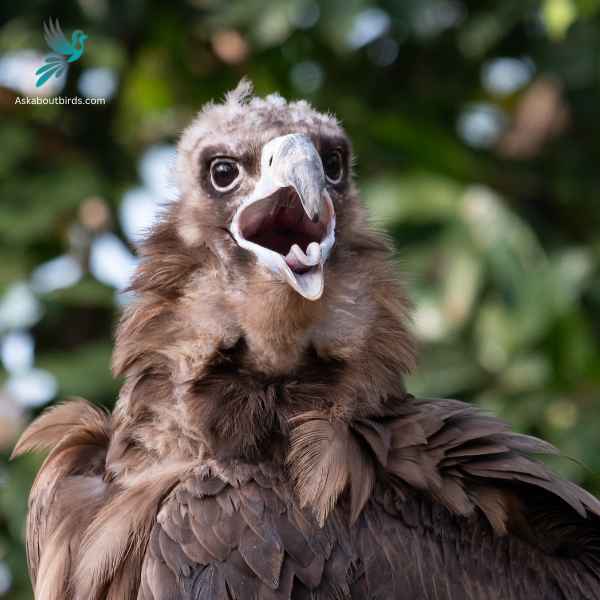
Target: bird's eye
333, 166
224, 174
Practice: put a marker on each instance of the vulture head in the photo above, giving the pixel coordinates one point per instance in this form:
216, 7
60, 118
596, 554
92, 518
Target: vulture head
271, 179
267, 246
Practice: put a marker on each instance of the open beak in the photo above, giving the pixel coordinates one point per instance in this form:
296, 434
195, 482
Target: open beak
288, 222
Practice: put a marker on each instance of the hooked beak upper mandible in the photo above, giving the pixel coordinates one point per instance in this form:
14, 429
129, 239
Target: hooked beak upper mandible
295, 162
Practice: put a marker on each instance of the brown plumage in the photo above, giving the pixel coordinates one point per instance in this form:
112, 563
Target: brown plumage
263, 445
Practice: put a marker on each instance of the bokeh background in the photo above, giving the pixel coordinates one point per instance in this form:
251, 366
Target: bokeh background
476, 126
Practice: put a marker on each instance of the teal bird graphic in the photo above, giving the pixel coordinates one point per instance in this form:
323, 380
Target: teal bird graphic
64, 52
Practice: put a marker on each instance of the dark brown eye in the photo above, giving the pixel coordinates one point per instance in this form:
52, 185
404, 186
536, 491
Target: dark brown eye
224, 174
333, 166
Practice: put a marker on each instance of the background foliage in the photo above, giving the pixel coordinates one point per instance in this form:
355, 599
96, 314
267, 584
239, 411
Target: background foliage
476, 129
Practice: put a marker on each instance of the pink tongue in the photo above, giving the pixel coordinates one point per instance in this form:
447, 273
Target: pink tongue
295, 265
300, 261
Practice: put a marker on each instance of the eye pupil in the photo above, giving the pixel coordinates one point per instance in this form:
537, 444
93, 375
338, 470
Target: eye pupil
224, 173
332, 166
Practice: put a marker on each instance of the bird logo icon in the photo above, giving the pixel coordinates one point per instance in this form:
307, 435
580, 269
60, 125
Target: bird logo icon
64, 52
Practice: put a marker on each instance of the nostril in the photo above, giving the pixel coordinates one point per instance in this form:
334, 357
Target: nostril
271, 160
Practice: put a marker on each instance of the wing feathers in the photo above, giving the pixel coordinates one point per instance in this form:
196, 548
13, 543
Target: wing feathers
67, 491
320, 455
121, 529
443, 447
61, 420
246, 542
391, 505
263, 556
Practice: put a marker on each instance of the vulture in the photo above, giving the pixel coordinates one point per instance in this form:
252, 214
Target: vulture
263, 445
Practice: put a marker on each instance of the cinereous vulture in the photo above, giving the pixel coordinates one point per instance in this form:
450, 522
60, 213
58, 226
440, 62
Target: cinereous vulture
263, 445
